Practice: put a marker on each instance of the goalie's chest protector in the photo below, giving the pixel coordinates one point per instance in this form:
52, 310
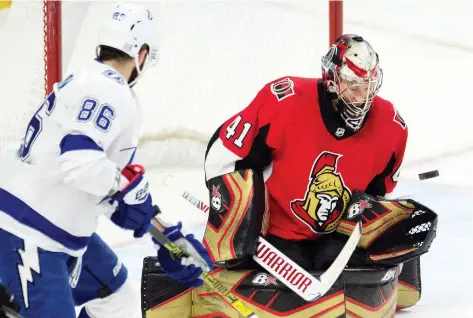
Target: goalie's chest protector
314, 173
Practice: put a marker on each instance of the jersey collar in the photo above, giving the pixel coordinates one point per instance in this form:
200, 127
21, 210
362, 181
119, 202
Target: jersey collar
332, 120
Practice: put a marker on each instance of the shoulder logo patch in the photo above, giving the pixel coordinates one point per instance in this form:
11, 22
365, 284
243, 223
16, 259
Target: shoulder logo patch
283, 89
398, 119
114, 76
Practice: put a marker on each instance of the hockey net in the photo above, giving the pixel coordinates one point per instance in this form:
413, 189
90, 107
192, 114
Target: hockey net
30, 61
214, 57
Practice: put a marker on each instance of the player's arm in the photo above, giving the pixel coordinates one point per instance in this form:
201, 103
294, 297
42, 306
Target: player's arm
96, 123
385, 182
246, 140
93, 123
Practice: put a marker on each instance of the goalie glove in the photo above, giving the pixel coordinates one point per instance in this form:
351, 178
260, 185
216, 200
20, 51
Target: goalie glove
135, 208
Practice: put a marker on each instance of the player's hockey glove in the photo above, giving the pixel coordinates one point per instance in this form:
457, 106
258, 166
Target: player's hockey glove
9, 308
135, 208
186, 270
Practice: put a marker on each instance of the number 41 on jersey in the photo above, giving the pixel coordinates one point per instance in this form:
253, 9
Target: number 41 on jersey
232, 131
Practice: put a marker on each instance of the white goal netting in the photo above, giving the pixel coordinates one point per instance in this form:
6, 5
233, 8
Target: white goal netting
214, 57
22, 66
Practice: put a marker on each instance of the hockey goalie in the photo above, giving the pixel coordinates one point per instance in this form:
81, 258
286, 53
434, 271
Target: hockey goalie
300, 166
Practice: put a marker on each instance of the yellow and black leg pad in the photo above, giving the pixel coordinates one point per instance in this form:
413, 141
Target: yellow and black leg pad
162, 296
410, 287
361, 292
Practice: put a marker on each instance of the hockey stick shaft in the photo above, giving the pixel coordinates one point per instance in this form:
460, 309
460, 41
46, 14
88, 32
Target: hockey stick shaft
308, 287
156, 231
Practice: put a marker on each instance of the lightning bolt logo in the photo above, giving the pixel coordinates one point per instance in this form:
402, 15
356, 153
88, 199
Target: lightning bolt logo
30, 259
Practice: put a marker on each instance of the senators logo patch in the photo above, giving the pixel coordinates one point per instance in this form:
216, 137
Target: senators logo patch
326, 197
283, 89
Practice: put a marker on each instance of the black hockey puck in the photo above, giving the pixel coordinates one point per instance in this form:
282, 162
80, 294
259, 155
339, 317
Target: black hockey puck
428, 175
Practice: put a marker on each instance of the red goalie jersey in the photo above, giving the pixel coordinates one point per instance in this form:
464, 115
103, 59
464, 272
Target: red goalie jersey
310, 161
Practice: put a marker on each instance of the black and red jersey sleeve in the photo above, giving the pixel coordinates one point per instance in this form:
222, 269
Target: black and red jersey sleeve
249, 138
385, 182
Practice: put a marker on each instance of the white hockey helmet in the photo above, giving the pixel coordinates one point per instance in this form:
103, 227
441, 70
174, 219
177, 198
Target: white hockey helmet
127, 29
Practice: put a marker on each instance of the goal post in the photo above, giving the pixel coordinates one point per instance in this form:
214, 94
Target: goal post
335, 20
52, 43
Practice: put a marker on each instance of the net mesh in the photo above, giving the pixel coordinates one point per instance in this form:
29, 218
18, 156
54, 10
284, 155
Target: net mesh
213, 60
22, 65
215, 55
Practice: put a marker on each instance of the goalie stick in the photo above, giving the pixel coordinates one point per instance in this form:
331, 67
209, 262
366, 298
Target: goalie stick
232, 299
286, 270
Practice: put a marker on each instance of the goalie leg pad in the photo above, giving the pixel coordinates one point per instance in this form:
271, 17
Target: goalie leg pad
162, 296
360, 292
410, 287
237, 208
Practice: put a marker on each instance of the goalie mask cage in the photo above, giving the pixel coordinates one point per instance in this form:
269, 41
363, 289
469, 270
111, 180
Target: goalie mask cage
196, 84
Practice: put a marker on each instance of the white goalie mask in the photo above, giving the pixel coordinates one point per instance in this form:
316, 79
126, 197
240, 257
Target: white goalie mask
350, 70
128, 28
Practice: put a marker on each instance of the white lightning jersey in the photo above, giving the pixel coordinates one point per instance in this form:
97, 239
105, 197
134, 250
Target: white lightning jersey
52, 189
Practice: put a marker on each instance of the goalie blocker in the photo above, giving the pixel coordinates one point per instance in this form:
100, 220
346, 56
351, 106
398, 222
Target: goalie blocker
394, 235
236, 216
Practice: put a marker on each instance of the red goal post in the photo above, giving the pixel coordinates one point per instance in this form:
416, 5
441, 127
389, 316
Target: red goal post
335, 19
52, 43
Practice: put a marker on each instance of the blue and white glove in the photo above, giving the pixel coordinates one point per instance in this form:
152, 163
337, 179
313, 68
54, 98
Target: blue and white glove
135, 207
186, 270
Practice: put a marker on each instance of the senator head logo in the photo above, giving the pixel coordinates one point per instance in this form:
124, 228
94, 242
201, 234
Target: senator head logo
326, 196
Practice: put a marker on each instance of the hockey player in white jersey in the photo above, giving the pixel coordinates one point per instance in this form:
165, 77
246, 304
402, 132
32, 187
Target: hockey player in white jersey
75, 164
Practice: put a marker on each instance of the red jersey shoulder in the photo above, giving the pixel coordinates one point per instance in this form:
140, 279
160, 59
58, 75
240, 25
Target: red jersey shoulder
280, 98
272, 106
386, 115
291, 87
